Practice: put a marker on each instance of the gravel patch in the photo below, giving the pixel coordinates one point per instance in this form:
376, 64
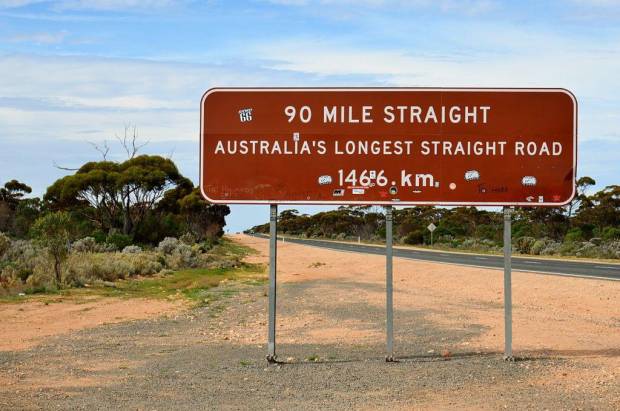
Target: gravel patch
214, 358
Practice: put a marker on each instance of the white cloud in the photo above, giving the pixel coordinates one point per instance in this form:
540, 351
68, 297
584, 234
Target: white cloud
102, 5
54, 97
457, 6
597, 3
591, 73
40, 38
8, 4
114, 5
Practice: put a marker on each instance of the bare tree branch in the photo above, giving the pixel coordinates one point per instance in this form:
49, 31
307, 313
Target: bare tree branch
103, 150
129, 141
63, 168
171, 153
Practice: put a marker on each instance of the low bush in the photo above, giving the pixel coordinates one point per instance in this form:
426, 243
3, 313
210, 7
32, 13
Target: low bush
132, 249
82, 268
551, 248
168, 245
538, 247
573, 235
24, 257
182, 256
568, 248
10, 281
5, 243
414, 237
90, 245
188, 238
118, 240
611, 233
524, 244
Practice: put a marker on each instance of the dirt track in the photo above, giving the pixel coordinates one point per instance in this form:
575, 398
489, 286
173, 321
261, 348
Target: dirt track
448, 329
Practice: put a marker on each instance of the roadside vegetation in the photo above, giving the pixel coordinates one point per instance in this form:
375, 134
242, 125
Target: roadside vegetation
108, 222
174, 269
587, 227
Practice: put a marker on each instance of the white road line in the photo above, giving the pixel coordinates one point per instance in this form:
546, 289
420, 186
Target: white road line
481, 258
530, 262
607, 267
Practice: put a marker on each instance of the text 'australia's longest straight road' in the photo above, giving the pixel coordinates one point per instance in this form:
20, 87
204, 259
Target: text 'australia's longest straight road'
389, 146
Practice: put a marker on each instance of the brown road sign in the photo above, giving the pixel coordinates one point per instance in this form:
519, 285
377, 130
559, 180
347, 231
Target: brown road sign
389, 146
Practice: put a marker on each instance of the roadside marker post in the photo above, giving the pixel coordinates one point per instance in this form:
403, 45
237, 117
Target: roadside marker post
507, 285
389, 287
273, 249
431, 227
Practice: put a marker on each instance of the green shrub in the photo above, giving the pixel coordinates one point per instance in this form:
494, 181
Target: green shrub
99, 236
524, 244
414, 237
537, 247
611, 233
568, 248
168, 245
5, 243
587, 231
10, 282
573, 235
42, 279
551, 248
118, 240
155, 227
87, 267
188, 238
588, 249
183, 256
23, 256
596, 240
52, 232
132, 249
90, 245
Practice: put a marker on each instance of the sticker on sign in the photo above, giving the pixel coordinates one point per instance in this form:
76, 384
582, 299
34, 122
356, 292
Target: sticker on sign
411, 146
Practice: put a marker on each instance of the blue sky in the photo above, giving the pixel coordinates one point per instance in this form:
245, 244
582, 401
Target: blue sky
74, 72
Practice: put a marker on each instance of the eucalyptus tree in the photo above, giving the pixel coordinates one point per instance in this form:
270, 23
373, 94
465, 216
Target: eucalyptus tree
116, 194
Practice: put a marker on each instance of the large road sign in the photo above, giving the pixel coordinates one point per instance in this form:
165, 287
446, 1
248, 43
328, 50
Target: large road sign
389, 146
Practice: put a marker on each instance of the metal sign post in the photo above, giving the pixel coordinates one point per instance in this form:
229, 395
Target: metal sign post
507, 286
273, 249
389, 284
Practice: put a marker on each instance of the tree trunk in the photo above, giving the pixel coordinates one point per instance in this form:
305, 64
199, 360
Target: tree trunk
126, 223
127, 226
58, 272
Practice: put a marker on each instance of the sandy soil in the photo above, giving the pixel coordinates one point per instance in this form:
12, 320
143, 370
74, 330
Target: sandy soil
330, 336
553, 316
559, 314
27, 324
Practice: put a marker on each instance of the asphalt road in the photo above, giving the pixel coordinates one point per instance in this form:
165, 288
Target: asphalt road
600, 270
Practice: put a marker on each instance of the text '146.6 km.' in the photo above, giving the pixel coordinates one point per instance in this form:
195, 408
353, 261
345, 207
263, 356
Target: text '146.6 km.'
389, 146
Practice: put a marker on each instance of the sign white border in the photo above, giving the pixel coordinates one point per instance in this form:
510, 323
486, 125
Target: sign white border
388, 89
